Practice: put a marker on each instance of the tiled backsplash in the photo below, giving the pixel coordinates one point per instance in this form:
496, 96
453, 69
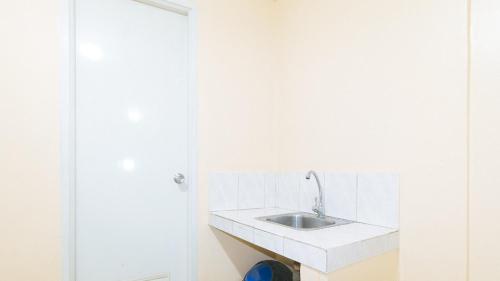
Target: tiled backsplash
365, 197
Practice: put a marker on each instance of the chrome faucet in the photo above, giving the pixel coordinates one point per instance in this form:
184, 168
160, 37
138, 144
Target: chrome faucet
319, 205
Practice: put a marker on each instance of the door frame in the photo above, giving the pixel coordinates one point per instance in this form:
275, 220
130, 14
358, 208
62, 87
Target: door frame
67, 69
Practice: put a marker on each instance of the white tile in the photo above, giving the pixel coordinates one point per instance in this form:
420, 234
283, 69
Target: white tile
288, 191
324, 249
309, 191
304, 253
270, 190
378, 245
392, 241
221, 223
223, 191
162, 279
343, 255
361, 250
251, 190
378, 199
242, 231
268, 241
341, 192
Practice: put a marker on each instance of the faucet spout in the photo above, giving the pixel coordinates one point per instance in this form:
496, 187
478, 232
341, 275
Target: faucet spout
319, 207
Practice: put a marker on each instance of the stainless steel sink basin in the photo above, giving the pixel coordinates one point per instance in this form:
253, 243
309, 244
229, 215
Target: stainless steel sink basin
304, 221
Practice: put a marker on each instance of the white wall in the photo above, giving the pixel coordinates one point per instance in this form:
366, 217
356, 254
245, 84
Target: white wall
29, 155
381, 86
485, 141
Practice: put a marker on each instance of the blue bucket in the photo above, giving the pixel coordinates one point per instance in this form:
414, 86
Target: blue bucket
269, 271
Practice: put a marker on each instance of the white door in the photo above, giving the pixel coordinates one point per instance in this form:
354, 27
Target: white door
131, 138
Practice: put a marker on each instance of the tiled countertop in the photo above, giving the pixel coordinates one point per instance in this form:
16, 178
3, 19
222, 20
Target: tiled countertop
326, 249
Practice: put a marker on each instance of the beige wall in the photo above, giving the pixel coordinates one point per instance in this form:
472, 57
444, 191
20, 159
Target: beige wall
380, 268
236, 104
381, 86
485, 141
29, 155
347, 85
236, 91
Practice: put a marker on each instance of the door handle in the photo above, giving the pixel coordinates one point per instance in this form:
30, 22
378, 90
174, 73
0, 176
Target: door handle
179, 178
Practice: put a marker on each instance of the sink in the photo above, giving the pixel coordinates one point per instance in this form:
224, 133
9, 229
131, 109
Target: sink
304, 221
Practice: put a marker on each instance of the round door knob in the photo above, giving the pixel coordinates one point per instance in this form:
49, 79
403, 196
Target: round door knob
179, 178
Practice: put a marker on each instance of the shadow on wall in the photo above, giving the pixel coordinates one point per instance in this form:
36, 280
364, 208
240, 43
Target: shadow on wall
233, 247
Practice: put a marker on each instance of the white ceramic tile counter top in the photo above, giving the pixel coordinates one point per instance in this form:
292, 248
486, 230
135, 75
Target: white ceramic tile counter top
325, 249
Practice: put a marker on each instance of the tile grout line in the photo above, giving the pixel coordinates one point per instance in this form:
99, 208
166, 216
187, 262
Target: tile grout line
357, 189
264, 176
237, 191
